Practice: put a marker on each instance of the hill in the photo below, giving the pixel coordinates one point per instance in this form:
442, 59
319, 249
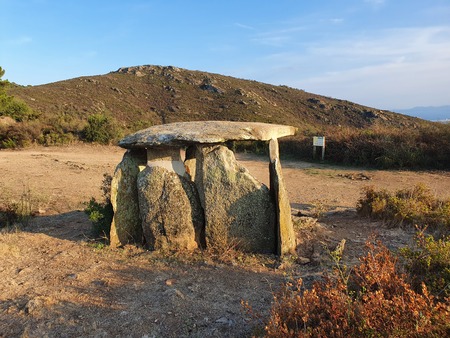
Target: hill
144, 95
134, 98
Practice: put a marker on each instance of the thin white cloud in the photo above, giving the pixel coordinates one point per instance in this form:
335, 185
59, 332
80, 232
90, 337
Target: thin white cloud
398, 65
405, 65
240, 25
279, 37
412, 43
19, 41
387, 86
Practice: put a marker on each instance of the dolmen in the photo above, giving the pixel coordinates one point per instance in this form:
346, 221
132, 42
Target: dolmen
178, 187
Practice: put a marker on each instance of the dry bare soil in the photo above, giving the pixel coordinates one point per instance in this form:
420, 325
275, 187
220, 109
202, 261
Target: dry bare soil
55, 282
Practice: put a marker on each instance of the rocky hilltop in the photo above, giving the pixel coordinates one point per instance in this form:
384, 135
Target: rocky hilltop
146, 95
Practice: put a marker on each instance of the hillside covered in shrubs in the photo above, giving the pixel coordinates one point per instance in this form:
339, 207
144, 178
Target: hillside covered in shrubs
103, 108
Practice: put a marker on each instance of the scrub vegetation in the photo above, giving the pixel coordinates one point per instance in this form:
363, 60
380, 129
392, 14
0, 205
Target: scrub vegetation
104, 108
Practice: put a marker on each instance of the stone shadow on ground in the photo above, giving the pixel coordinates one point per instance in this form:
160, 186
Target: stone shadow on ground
73, 225
128, 297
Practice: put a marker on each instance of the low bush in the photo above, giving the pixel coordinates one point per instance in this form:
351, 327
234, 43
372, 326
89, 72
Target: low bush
12, 107
18, 135
410, 206
374, 300
101, 213
16, 109
429, 262
101, 129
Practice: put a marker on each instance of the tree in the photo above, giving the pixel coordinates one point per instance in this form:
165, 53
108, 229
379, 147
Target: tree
101, 129
9, 106
3, 83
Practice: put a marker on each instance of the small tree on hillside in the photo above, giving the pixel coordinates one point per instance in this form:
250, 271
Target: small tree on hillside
101, 129
9, 106
3, 83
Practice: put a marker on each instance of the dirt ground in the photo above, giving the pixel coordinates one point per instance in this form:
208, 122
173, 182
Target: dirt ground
55, 282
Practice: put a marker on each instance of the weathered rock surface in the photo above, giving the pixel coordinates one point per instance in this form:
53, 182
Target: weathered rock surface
172, 217
126, 224
238, 209
207, 132
207, 199
286, 242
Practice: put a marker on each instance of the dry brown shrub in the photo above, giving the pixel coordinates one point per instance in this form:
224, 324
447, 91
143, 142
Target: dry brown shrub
375, 301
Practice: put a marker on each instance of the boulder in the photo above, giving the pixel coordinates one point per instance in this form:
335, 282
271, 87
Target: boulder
126, 223
172, 217
238, 209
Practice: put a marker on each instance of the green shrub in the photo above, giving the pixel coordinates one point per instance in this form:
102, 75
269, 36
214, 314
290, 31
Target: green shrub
8, 144
101, 213
101, 129
429, 262
12, 107
50, 138
16, 109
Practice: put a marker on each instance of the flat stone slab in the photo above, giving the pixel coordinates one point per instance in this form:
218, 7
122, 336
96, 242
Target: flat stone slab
205, 132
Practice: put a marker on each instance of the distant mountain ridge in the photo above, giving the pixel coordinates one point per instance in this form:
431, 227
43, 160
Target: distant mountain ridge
431, 113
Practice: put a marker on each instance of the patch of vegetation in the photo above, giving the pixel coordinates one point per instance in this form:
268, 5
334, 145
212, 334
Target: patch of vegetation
384, 147
374, 300
17, 212
416, 206
12, 107
318, 208
101, 213
428, 262
101, 129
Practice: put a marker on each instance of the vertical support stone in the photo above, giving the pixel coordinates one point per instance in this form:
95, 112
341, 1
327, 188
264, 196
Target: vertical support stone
238, 209
126, 223
285, 234
170, 210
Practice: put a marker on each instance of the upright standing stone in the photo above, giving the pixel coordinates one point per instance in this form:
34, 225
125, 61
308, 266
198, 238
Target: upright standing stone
238, 209
126, 224
286, 241
171, 214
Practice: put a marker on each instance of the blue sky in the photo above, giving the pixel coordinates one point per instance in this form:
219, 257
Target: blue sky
381, 53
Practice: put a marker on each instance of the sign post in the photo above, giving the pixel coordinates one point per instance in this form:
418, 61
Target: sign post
319, 141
